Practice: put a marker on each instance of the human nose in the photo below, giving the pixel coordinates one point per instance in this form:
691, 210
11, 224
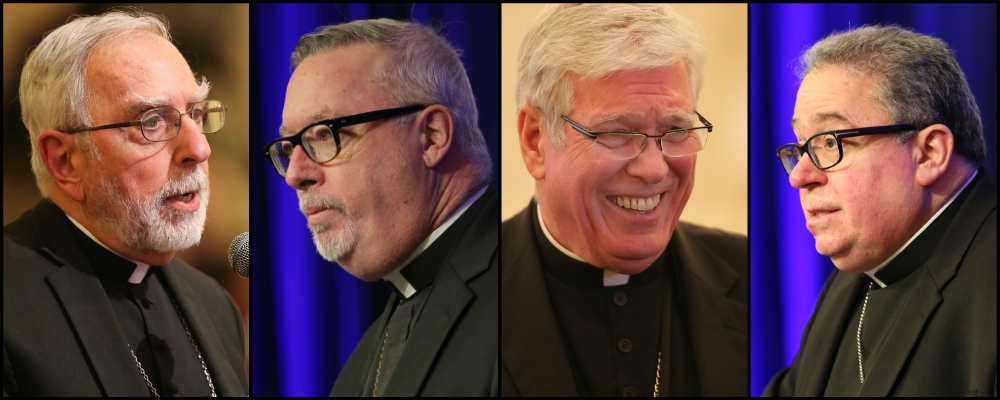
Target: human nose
192, 145
649, 165
805, 173
302, 172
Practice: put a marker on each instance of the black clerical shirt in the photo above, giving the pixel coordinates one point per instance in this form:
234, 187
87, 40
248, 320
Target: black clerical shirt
885, 303
149, 323
613, 333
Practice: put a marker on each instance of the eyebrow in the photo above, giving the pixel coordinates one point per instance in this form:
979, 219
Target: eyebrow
823, 117
135, 102
627, 115
284, 130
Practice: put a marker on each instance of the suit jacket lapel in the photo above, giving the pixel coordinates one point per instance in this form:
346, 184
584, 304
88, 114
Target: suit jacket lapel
529, 332
87, 307
448, 298
203, 329
935, 275
717, 323
830, 319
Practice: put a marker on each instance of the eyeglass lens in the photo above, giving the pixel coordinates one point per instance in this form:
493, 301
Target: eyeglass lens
318, 142
824, 151
160, 124
621, 146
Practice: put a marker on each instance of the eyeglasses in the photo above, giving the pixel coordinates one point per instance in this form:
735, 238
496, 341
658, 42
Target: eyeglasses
321, 140
163, 123
627, 145
825, 148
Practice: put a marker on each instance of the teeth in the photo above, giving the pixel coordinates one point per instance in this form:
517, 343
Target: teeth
636, 204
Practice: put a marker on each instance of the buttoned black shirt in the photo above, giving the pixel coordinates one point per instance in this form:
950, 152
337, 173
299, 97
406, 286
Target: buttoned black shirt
613, 333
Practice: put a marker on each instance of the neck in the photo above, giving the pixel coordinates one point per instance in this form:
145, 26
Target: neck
944, 188
104, 234
449, 186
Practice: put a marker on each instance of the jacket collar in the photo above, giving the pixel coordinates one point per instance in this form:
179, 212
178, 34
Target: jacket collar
79, 290
449, 297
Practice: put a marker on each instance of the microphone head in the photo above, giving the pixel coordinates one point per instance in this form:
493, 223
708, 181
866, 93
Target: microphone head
239, 254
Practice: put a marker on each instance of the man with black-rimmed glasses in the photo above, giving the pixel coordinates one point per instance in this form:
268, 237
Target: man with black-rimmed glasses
380, 140
889, 170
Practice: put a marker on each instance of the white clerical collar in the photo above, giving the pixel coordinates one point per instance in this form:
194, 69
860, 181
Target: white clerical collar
140, 268
396, 278
611, 278
871, 273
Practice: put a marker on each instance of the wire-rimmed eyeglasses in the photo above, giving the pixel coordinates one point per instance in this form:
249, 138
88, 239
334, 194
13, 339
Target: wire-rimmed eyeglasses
321, 140
626, 145
825, 148
163, 123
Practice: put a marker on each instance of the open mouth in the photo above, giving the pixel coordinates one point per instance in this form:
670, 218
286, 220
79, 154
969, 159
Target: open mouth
636, 204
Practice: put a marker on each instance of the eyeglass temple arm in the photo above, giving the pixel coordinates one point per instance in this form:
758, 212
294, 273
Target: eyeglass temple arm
102, 127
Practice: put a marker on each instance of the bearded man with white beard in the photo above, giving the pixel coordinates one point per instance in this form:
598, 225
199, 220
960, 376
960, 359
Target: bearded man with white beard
95, 303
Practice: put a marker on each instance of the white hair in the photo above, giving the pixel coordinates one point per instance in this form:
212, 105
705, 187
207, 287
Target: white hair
54, 92
423, 68
592, 41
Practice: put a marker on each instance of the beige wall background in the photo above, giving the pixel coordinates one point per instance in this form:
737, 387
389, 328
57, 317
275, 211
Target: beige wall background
720, 190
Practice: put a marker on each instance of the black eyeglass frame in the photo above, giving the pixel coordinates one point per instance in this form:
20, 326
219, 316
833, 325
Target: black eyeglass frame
659, 138
334, 125
138, 122
838, 135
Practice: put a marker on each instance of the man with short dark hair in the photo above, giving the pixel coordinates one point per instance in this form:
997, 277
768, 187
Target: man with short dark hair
889, 172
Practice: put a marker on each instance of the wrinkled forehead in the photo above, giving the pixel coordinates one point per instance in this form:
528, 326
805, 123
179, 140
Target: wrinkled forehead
140, 65
334, 83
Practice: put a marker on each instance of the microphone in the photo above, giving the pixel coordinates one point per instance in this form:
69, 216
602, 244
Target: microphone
239, 254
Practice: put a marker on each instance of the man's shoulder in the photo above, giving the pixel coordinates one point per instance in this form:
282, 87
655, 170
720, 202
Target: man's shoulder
703, 239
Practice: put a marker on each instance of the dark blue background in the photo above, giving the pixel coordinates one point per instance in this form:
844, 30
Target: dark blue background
307, 314
786, 272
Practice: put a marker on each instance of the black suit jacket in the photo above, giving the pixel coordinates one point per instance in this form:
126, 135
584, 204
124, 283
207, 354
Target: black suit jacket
944, 343
713, 273
60, 334
454, 341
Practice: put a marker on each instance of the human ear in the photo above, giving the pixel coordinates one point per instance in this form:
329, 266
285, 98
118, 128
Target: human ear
438, 131
933, 148
64, 160
530, 135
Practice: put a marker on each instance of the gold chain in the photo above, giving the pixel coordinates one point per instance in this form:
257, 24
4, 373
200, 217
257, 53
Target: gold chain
656, 386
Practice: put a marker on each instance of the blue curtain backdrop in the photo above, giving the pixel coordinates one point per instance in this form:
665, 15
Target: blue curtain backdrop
786, 272
308, 314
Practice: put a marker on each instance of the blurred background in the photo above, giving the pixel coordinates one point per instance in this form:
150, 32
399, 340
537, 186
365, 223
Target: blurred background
308, 314
215, 40
784, 289
719, 198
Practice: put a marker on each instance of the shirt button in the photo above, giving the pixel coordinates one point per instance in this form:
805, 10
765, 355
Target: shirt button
145, 303
624, 345
620, 298
628, 392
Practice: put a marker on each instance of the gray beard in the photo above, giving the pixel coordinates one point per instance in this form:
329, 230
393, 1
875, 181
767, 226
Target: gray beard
147, 223
331, 246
